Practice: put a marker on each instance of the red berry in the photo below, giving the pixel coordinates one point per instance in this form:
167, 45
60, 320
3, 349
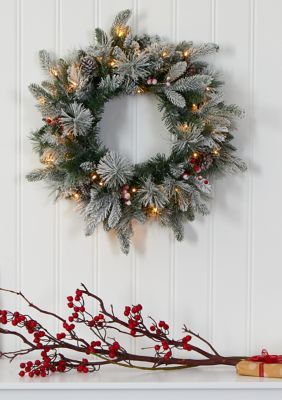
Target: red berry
126, 311
22, 374
133, 332
70, 298
31, 374
167, 355
157, 347
197, 168
165, 345
206, 181
116, 345
22, 365
78, 292
70, 305
152, 328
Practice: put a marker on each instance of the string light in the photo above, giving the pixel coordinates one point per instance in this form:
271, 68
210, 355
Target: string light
94, 176
54, 72
101, 183
134, 190
139, 90
72, 86
121, 31
41, 101
155, 210
164, 54
194, 107
186, 53
216, 152
113, 63
208, 89
76, 195
195, 154
184, 128
48, 159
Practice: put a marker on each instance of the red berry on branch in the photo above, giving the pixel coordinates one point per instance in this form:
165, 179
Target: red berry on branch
116, 345
78, 292
70, 305
157, 347
126, 311
70, 298
22, 365
133, 332
167, 355
21, 374
152, 328
165, 345
197, 169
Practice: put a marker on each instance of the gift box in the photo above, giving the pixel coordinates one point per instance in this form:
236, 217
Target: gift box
264, 365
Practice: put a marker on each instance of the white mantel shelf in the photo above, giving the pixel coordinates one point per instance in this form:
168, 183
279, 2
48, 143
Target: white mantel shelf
116, 383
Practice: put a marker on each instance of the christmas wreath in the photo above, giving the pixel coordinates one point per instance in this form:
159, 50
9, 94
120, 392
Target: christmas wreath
106, 186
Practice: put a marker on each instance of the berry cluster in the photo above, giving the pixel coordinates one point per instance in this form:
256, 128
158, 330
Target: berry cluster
104, 349
134, 317
125, 195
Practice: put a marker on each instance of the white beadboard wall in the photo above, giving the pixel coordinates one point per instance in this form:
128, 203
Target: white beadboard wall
224, 279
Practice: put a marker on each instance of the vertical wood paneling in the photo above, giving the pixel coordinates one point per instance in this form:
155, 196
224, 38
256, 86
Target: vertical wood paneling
152, 243
10, 145
115, 269
76, 260
267, 219
193, 254
230, 206
37, 258
224, 278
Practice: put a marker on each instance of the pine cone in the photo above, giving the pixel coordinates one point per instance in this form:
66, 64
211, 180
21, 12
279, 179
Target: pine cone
206, 161
191, 70
88, 65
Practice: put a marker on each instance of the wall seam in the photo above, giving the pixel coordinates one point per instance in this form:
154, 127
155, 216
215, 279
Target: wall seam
56, 216
19, 147
133, 266
211, 291
250, 266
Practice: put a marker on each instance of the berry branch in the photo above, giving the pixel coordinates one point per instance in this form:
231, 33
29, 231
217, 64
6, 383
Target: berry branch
98, 348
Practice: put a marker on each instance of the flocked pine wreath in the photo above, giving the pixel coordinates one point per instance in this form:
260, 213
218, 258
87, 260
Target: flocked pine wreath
106, 186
